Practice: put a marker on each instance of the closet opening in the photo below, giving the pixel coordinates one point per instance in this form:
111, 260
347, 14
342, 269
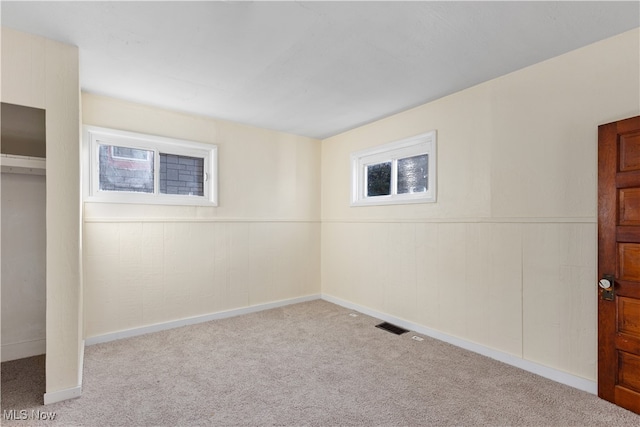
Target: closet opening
23, 249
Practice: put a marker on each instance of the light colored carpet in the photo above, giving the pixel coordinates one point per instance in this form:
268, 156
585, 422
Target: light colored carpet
305, 364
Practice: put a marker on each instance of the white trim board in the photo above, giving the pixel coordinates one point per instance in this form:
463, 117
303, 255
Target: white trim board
20, 350
117, 220
469, 220
81, 364
544, 371
194, 320
60, 395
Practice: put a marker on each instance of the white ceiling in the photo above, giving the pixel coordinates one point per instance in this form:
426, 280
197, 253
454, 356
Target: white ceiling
309, 68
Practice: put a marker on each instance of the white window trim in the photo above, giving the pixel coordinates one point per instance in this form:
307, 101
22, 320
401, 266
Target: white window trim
416, 145
96, 136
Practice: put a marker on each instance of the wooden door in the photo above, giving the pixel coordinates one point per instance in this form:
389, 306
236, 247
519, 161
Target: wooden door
619, 263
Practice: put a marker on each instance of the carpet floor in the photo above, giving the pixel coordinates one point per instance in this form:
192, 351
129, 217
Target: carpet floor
305, 364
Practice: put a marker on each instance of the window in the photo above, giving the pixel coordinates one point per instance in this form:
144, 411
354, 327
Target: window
126, 167
399, 172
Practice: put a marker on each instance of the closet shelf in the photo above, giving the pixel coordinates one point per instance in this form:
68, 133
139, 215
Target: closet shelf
23, 164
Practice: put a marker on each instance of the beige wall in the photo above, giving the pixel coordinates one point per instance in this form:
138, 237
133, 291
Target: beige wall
41, 73
24, 284
506, 258
145, 265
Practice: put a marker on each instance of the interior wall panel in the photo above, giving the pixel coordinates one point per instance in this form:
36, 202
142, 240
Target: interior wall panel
24, 287
165, 263
42, 73
559, 300
162, 272
506, 256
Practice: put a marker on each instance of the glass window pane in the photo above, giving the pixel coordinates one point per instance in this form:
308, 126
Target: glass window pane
412, 174
181, 175
125, 169
379, 179
129, 153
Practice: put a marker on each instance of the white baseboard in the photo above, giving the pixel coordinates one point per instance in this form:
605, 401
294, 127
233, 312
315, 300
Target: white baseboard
81, 364
544, 371
194, 320
21, 350
60, 395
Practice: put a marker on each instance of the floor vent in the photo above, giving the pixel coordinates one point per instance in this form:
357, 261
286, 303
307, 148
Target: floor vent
392, 328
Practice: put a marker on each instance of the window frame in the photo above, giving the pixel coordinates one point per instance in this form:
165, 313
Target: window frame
421, 144
95, 136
